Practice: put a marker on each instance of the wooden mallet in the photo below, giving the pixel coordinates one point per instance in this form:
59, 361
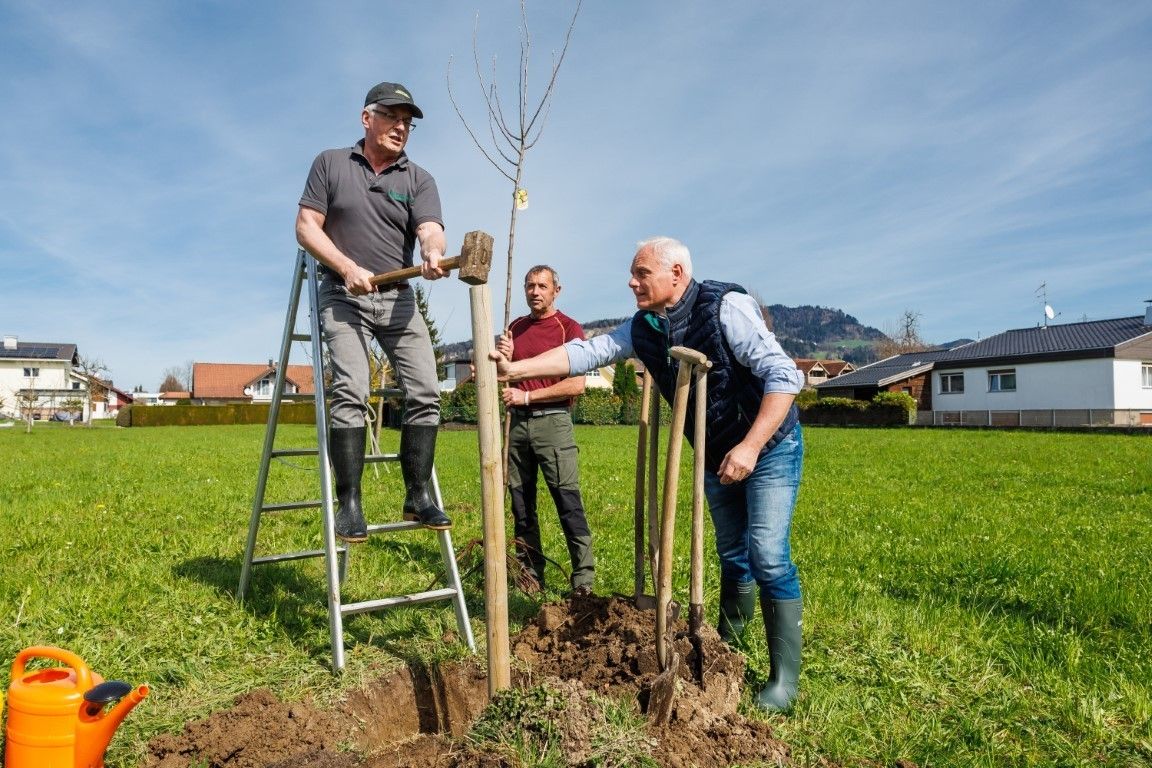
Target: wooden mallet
473, 263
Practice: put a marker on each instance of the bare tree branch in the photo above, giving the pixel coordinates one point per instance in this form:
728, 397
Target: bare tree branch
468, 128
556, 67
520, 140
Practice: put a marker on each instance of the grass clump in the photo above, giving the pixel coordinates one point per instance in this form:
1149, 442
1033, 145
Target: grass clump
560, 724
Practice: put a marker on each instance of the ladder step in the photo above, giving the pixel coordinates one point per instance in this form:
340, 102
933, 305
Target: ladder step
301, 337
291, 505
368, 457
303, 555
298, 397
403, 525
387, 392
387, 602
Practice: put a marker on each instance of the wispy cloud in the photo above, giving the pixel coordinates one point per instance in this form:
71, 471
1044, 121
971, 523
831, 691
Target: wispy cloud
945, 159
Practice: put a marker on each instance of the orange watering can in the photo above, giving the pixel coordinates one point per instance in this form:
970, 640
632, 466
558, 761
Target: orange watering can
60, 717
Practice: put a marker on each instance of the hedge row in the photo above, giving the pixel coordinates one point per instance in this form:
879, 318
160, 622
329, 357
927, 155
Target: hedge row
886, 409
211, 415
595, 406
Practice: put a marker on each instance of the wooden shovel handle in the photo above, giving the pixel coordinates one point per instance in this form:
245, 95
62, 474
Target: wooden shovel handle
641, 499
668, 521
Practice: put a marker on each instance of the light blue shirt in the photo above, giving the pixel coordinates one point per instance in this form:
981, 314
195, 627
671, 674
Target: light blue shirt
743, 327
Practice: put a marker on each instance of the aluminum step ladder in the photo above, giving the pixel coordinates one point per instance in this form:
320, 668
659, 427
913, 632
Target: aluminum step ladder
335, 555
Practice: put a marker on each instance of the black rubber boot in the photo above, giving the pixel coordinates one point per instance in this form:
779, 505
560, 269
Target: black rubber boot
782, 624
737, 606
346, 450
417, 452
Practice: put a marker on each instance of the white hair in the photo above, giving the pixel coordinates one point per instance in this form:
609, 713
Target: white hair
668, 251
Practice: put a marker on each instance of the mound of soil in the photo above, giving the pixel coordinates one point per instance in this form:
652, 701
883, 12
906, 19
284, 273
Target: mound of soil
588, 645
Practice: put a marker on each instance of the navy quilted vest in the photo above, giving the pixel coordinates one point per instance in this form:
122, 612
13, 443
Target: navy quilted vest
734, 392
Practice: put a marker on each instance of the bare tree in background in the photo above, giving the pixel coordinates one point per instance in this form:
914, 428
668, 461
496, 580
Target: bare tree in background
185, 375
95, 389
177, 378
512, 140
73, 405
171, 384
28, 401
905, 338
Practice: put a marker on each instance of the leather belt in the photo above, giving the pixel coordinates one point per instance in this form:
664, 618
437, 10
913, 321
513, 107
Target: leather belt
532, 413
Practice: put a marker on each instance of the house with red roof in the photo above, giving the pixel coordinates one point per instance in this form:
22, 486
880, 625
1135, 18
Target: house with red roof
219, 383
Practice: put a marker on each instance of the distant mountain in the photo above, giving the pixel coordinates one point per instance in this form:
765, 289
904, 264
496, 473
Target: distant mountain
822, 332
804, 331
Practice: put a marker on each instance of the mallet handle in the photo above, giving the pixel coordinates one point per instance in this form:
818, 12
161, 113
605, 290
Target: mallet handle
396, 275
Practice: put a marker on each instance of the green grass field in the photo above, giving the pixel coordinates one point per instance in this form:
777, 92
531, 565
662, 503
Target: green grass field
973, 598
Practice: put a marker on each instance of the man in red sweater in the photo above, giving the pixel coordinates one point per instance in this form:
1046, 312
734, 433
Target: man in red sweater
541, 436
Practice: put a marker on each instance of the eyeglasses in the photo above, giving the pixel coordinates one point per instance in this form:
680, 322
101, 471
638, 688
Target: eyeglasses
392, 117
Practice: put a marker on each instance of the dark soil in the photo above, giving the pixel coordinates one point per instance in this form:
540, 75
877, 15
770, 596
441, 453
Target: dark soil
589, 645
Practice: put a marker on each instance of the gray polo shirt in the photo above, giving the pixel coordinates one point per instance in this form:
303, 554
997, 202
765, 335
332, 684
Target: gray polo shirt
371, 218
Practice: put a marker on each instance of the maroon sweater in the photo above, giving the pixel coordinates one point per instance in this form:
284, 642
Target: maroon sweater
531, 337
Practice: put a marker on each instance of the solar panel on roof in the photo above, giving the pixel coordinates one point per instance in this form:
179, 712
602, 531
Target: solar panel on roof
36, 352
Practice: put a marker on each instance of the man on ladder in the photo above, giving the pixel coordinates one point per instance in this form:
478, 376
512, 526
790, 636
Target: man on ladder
363, 209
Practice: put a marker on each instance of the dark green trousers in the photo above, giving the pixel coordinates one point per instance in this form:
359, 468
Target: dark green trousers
546, 444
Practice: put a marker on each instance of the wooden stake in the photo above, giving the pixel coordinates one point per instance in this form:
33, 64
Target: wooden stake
491, 492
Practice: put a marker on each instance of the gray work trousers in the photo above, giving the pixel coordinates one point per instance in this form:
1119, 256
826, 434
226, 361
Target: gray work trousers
392, 318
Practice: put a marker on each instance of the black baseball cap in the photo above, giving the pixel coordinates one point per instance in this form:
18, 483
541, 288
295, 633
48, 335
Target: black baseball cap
391, 94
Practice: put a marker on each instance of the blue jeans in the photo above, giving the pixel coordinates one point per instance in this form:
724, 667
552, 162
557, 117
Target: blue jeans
753, 520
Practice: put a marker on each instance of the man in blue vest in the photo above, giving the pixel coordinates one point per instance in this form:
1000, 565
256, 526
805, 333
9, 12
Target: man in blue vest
754, 446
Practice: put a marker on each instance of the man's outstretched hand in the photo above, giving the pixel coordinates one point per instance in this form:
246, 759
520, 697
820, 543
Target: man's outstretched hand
502, 356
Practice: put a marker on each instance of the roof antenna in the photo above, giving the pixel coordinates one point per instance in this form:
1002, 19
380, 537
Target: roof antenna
1049, 313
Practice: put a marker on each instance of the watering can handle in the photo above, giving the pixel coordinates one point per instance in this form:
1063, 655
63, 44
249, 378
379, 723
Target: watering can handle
83, 673
107, 692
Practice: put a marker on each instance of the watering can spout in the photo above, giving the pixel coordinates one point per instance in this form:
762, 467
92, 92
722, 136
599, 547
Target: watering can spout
98, 723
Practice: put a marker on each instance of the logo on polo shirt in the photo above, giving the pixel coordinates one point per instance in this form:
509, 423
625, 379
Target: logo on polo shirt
399, 197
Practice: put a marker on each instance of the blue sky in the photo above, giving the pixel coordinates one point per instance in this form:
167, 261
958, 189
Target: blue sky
945, 158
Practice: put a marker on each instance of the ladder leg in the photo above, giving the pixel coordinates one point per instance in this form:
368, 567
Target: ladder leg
452, 572
335, 560
458, 605
298, 276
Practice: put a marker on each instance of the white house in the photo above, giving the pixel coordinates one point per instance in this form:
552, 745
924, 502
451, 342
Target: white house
38, 374
1097, 372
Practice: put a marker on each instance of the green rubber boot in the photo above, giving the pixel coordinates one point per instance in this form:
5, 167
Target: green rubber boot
782, 625
737, 606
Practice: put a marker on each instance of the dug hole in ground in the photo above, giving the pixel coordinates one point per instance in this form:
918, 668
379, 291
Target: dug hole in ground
585, 648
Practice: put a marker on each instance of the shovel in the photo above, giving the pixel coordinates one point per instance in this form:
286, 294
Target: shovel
700, 368
664, 685
645, 496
